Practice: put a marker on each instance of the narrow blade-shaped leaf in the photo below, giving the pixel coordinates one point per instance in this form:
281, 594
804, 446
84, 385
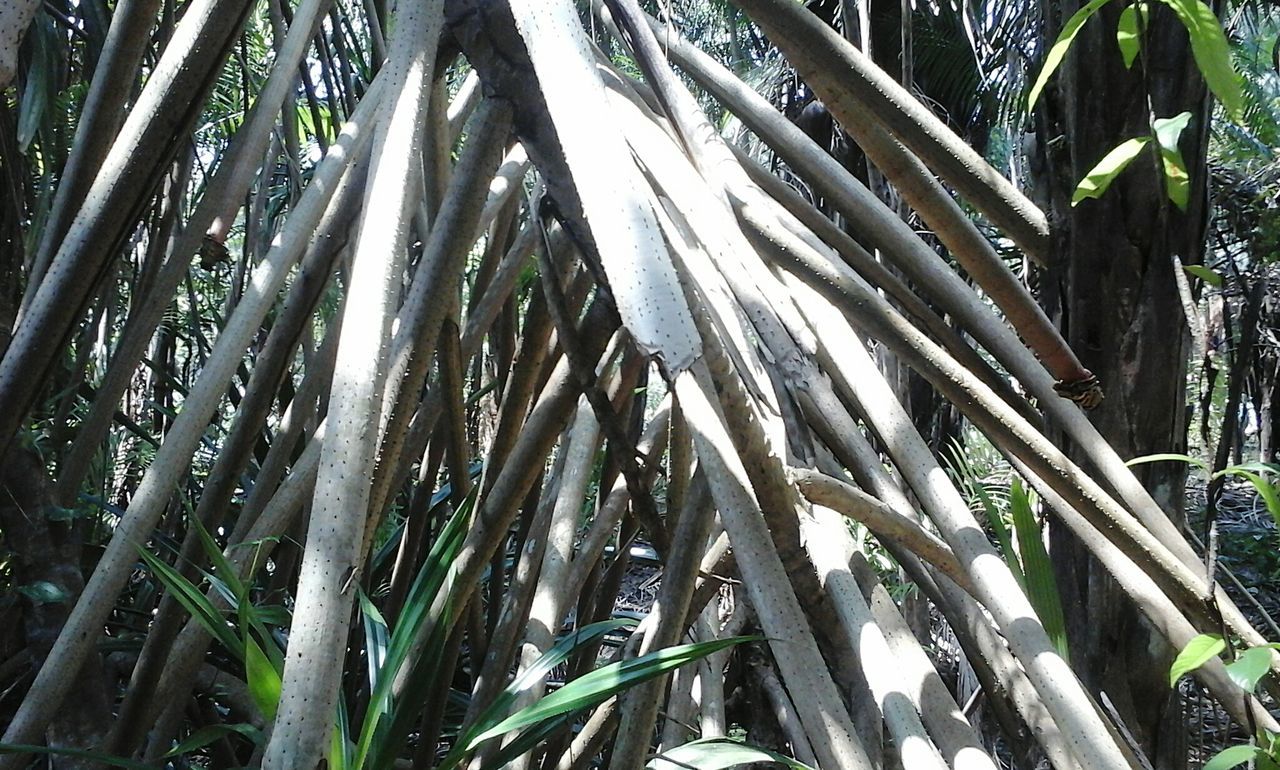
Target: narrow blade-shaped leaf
1205, 274
1100, 177
210, 733
376, 638
1129, 32
1042, 588
609, 680
1212, 53
1060, 47
263, 678
1169, 457
193, 601
1266, 491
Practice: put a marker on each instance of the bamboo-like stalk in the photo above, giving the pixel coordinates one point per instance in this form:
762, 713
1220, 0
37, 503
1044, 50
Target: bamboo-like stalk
830, 546
995, 585
640, 705
501, 501
958, 299
1154, 604
164, 710
848, 80
14, 20
919, 680
103, 112
136, 163
208, 224
1001, 424
431, 293
333, 554
887, 524
251, 415
1000, 673
77, 637
823, 713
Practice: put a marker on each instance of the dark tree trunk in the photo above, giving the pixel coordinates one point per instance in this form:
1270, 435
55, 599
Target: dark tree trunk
1111, 288
46, 562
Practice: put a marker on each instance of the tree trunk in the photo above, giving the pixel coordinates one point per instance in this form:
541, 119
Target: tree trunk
1111, 288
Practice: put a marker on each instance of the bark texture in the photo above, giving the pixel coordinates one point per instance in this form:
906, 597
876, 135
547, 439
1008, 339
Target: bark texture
1111, 287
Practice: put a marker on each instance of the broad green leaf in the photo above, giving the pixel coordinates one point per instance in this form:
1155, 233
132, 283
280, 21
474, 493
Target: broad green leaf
1060, 46
1228, 758
1100, 177
43, 592
1177, 181
1169, 457
210, 733
1128, 32
1198, 651
1212, 53
1250, 667
1210, 277
717, 754
592, 688
1042, 588
263, 678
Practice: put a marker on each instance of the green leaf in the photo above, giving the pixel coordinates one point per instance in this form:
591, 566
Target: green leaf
1210, 277
1266, 490
43, 592
210, 733
1212, 53
1001, 531
717, 754
40, 88
1100, 177
596, 686
1199, 650
376, 638
1042, 588
1177, 181
219, 561
1250, 667
378, 743
1167, 457
1060, 46
193, 601
263, 678
497, 709
1228, 758
1128, 32
341, 750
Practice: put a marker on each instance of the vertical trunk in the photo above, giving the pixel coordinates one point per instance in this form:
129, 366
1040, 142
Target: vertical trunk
1111, 287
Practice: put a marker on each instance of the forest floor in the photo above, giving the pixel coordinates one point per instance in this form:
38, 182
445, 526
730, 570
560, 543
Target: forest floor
1249, 548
